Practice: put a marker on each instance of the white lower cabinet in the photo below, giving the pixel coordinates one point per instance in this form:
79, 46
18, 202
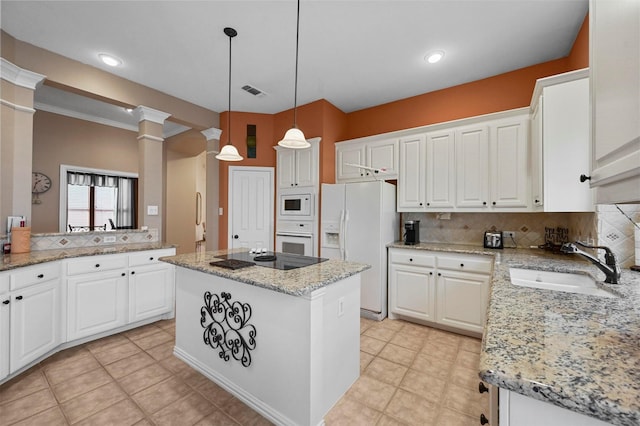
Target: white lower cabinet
5, 315
97, 302
150, 291
520, 410
442, 288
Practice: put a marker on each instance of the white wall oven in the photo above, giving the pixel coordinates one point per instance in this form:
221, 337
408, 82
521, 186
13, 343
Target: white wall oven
296, 206
295, 238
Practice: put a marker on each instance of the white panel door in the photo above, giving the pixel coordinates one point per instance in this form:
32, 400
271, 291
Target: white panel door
461, 300
441, 170
509, 170
383, 155
305, 167
350, 154
412, 292
472, 167
286, 168
411, 178
250, 207
150, 291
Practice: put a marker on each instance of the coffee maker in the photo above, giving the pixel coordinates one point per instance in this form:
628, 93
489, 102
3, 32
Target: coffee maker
411, 232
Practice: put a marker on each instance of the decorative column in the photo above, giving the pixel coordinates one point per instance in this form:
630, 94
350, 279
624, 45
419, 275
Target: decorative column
151, 169
213, 191
16, 140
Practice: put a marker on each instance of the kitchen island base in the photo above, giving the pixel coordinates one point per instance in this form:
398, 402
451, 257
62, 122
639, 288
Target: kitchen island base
288, 357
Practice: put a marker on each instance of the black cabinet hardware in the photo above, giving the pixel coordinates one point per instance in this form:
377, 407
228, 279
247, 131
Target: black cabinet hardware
584, 178
18, 297
483, 419
40, 275
6, 302
482, 388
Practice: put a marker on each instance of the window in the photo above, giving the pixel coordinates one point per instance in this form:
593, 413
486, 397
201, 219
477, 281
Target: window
93, 199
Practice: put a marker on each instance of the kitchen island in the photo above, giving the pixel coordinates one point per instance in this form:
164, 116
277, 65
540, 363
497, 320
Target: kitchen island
285, 342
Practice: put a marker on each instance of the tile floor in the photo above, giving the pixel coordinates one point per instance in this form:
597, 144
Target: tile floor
410, 375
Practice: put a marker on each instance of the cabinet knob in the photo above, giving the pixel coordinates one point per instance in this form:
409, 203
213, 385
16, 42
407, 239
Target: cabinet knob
584, 178
123, 274
428, 204
97, 265
536, 201
6, 302
482, 388
420, 203
430, 273
410, 259
133, 272
18, 297
483, 419
151, 258
40, 275
484, 203
439, 274
462, 265
235, 237
494, 203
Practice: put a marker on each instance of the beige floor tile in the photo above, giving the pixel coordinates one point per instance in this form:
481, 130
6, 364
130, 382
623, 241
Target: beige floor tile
81, 384
195, 379
51, 417
439, 350
27, 406
468, 359
25, 384
395, 325
214, 393
467, 401
349, 412
216, 418
470, 344
370, 345
412, 409
465, 377
186, 411
158, 396
444, 337
143, 378
365, 360
152, 340
73, 367
453, 418
365, 323
67, 356
177, 366
106, 343
128, 365
116, 353
241, 413
144, 422
92, 402
162, 351
371, 392
167, 325
433, 366
408, 340
424, 385
137, 333
398, 354
386, 420
123, 413
386, 371
377, 331
416, 330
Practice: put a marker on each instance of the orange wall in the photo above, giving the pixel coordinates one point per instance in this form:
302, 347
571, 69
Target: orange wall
321, 118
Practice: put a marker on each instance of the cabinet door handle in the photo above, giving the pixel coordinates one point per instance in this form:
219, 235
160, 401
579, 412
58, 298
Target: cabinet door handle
40, 275
482, 388
483, 419
6, 302
18, 297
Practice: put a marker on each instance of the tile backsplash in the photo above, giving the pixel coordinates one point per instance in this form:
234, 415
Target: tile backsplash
607, 226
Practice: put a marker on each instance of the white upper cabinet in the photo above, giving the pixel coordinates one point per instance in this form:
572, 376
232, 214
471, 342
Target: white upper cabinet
298, 167
615, 99
381, 155
411, 177
560, 148
472, 166
440, 173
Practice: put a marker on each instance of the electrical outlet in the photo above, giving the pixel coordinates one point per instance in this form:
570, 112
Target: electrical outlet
508, 234
341, 306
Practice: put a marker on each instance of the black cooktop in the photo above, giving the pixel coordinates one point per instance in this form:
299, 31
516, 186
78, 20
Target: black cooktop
283, 261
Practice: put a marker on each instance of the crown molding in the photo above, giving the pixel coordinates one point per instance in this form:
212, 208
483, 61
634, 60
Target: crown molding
18, 76
212, 133
82, 116
150, 114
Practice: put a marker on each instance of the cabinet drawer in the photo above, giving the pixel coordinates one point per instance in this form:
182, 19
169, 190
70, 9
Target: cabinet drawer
149, 257
36, 274
465, 263
96, 264
412, 257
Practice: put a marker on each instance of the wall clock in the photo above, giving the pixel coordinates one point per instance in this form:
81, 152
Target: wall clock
40, 183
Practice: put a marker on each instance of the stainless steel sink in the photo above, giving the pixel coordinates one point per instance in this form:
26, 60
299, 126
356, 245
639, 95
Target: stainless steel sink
557, 281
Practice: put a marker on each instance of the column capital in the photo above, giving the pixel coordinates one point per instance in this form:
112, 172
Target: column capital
150, 114
212, 133
18, 76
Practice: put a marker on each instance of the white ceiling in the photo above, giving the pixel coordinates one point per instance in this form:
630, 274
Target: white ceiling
353, 53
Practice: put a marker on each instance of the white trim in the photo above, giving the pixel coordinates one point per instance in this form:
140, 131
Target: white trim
17, 107
64, 168
150, 114
19, 76
86, 117
566, 77
212, 133
271, 207
150, 137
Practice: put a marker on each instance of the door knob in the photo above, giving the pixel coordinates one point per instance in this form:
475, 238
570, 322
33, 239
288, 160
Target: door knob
235, 237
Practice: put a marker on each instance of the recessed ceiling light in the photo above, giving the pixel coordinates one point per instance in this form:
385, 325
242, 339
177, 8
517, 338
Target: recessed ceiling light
435, 56
110, 60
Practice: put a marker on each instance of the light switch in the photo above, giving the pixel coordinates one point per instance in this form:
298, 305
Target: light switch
152, 210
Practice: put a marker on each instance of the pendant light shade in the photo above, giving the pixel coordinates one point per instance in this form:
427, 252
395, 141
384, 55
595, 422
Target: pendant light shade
294, 138
229, 152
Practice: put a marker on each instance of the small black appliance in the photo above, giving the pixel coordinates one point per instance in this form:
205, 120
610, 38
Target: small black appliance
411, 232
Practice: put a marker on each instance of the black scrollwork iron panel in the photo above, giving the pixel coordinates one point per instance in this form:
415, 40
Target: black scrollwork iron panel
226, 327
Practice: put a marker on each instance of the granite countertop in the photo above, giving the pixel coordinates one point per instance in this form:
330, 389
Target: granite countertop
296, 282
576, 351
13, 260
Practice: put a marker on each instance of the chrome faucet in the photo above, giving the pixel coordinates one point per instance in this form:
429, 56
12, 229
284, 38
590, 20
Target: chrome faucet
610, 268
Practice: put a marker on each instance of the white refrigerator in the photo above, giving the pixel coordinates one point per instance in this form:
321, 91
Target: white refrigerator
357, 221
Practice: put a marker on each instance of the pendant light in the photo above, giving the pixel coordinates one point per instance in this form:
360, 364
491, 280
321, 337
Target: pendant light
294, 138
229, 152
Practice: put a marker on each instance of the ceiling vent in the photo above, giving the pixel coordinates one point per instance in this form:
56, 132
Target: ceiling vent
253, 90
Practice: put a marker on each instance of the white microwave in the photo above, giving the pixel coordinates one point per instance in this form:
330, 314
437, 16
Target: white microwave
296, 206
